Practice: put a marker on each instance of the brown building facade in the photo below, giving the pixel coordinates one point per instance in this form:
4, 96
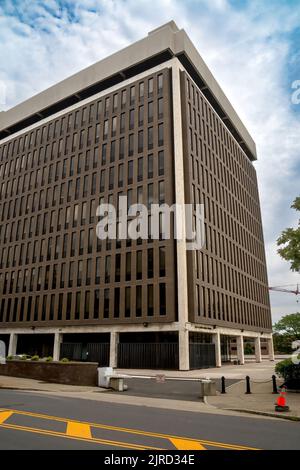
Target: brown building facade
152, 132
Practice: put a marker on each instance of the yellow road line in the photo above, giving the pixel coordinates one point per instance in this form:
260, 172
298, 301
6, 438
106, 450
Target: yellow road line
226, 446
184, 444
78, 430
4, 415
137, 431
65, 436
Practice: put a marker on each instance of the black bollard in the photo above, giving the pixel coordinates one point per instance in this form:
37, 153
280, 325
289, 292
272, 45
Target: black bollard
248, 391
223, 387
275, 389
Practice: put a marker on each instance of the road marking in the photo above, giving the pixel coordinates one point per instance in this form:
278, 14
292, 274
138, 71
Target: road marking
126, 445
183, 444
134, 431
4, 415
223, 445
78, 430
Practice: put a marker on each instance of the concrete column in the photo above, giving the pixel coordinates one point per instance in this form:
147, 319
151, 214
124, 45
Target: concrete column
271, 349
257, 349
12, 348
184, 351
113, 350
3, 353
240, 349
181, 251
217, 343
56, 348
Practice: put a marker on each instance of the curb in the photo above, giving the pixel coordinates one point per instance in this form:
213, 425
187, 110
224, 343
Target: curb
18, 389
265, 413
22, 389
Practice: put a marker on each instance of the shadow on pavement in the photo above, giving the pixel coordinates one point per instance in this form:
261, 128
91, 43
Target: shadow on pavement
187, 390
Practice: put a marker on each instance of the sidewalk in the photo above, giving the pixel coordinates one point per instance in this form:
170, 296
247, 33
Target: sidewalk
257, 371
260, 400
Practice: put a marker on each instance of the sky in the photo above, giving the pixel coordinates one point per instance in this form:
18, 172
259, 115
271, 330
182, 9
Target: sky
251, 47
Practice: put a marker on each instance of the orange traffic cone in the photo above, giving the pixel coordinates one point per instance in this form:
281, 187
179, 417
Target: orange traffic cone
281, 401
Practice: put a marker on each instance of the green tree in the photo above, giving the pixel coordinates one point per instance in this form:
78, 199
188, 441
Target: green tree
282, 344
289, 326
248, 349
290, 242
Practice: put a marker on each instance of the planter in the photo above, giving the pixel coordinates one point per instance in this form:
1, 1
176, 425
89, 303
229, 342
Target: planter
72, 373
290, 372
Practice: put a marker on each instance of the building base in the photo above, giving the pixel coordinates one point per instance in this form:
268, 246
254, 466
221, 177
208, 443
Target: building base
136, 346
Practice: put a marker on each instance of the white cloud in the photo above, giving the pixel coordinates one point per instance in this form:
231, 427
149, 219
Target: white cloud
247, 50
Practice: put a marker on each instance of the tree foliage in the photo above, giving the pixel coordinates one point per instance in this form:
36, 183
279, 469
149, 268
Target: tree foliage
290, 372
282, 344
289, 241
289, 326
248, 349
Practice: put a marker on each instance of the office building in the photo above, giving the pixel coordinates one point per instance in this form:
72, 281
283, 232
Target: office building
149, 122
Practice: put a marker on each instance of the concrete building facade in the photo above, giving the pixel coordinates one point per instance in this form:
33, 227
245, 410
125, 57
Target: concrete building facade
149, 122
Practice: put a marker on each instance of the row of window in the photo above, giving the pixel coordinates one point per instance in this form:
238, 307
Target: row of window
224, 180
120, 267
224, 222
77, 214
55, 172
110, 303
134, 171
217, 199
232, 210
203, 110
211, 172
57, 149
87, 114
224, 248
215, 305
72, 217
211, 271
236, 164
199, 135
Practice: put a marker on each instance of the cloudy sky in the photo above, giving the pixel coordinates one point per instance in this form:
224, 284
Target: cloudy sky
251, 46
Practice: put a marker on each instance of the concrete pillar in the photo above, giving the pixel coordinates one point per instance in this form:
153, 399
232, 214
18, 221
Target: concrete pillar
12, 348
271, 349
181, 248
184, 351
240, 349
2, 352
113, 350
257, 349
56, 348
217, 343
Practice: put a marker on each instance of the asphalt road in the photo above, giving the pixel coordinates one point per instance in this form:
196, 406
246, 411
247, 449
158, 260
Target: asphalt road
33, 421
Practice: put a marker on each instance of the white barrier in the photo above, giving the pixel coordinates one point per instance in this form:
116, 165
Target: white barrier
2, 353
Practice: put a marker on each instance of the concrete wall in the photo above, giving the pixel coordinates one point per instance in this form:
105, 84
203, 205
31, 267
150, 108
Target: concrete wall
73, 373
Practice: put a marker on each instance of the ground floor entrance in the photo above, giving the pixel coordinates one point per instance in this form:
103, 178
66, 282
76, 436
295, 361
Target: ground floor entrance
35, 345
165, 347
151, 350
86, 348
